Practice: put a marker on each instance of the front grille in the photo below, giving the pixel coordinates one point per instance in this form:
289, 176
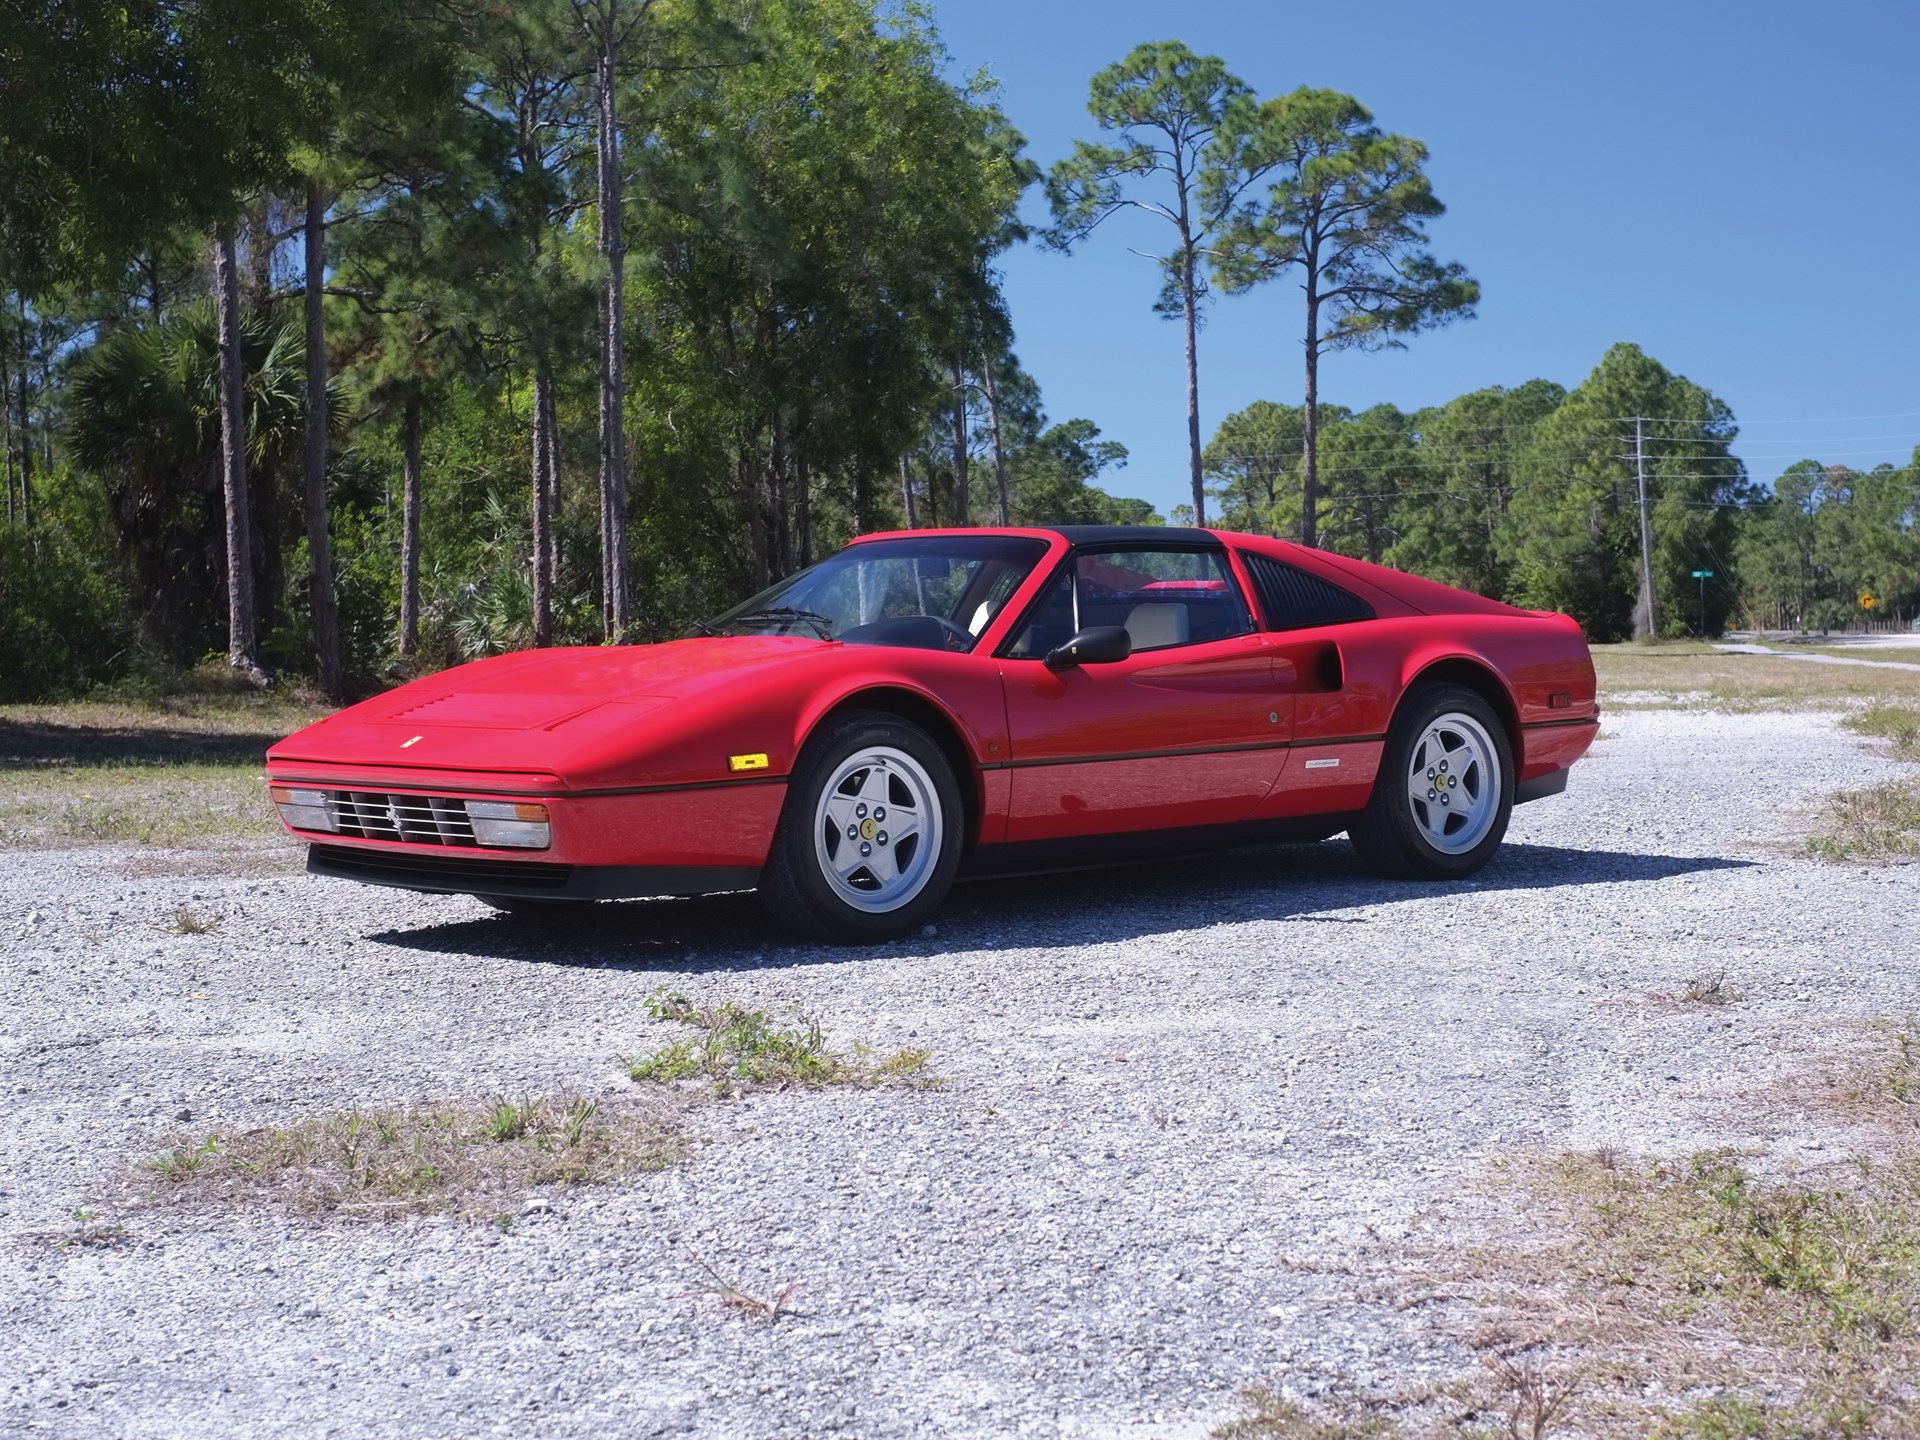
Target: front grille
433, 872
410, 819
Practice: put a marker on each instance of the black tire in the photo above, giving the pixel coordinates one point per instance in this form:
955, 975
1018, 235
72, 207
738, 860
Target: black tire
794, 885
1390, 836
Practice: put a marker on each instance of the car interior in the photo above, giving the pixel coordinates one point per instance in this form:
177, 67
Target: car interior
1161, 599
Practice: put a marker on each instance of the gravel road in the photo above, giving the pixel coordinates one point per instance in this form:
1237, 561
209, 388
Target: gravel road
1185, 1104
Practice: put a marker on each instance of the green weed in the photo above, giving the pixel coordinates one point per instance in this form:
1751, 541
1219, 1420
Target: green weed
740, 1049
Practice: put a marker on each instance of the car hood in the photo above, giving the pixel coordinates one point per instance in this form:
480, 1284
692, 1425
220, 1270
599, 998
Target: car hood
553, 711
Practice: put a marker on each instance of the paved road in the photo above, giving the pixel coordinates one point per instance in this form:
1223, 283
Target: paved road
1818, 659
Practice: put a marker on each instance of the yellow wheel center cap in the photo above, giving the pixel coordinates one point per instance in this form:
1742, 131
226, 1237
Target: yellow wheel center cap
868, 829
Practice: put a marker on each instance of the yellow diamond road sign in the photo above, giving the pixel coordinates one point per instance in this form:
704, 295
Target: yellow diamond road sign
1868, 600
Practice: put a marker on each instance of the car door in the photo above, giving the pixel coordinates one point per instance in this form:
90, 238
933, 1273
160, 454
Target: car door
1189, 730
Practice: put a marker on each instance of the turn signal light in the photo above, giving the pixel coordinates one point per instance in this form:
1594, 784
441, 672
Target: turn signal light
514, 826
304, 809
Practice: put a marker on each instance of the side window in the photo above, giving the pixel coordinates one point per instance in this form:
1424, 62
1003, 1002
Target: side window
1295, 600
1161, 598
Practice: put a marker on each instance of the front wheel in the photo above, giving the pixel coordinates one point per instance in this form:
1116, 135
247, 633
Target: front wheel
1444, 793
871, 834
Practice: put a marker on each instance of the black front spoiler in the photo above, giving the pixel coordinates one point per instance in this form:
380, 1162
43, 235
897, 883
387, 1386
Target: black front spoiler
443, 874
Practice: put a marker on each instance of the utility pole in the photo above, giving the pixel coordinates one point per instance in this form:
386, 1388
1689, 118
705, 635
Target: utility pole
1646, 535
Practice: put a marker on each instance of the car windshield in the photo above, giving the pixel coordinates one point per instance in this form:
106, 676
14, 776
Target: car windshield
939, 593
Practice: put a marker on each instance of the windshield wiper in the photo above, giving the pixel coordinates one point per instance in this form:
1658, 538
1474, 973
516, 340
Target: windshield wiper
822, 624
703, 628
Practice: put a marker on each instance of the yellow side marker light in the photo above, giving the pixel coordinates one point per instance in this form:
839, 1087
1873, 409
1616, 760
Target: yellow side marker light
741, 763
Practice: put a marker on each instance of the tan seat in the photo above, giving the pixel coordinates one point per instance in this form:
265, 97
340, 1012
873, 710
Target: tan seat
1153, 626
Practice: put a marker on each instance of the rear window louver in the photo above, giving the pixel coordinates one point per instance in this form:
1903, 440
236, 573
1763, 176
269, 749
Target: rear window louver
1294, 600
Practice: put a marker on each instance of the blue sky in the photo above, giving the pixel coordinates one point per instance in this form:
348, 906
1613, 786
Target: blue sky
1734, 187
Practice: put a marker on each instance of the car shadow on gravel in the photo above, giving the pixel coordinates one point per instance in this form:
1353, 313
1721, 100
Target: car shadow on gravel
1311, 884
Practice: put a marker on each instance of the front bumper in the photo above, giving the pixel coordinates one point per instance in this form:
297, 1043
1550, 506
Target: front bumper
440, 873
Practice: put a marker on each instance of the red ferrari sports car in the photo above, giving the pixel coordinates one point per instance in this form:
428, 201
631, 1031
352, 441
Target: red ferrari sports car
938, 702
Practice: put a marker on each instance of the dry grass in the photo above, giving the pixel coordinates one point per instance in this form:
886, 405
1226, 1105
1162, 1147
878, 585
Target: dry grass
1626, 1297
173, 771
1899, 724
744, 1302
1517, 1396
1875, 1082
738, 1050
1701, 990
456, 1158
1877, 825
1691, 675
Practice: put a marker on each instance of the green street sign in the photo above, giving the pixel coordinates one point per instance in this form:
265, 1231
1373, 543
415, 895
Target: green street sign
1703, 574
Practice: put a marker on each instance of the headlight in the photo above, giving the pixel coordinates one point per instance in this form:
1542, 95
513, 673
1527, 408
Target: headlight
304, 809
521, 827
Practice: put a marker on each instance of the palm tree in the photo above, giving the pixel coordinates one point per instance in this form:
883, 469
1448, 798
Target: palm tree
143, 415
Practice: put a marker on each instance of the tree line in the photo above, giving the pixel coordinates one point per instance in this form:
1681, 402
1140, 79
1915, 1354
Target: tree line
344, 338
1531, 495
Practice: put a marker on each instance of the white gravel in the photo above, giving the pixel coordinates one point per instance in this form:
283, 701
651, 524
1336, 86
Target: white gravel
1183, 1101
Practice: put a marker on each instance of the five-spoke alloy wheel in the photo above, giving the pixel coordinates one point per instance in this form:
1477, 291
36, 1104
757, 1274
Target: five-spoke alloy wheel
1445, 789
870, 837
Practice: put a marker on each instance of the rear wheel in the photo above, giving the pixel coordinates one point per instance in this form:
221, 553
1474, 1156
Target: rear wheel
870, 838
1444, 793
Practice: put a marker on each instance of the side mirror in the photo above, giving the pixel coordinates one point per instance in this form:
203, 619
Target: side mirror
1096, 645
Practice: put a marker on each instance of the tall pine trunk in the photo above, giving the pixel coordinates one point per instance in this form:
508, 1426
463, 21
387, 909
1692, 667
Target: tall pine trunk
962, 510
23, 382
777, 496
613, 389
410, 532
242, 649
993, 424
906, 493
326, 619
6, 423
1189, 307
542, 508
551, 559
1310, 421
803, 510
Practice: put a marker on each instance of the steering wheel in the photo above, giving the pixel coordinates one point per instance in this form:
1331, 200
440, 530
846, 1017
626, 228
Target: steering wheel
962, 637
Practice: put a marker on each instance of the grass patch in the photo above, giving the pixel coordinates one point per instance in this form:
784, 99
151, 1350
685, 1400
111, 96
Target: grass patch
1694, 676
740, 1050
1876, 825
455, 1158
1876, 1081
172, 771
1513, 1397
1899, 724
186, 922
1712, 1303
1830, 1267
